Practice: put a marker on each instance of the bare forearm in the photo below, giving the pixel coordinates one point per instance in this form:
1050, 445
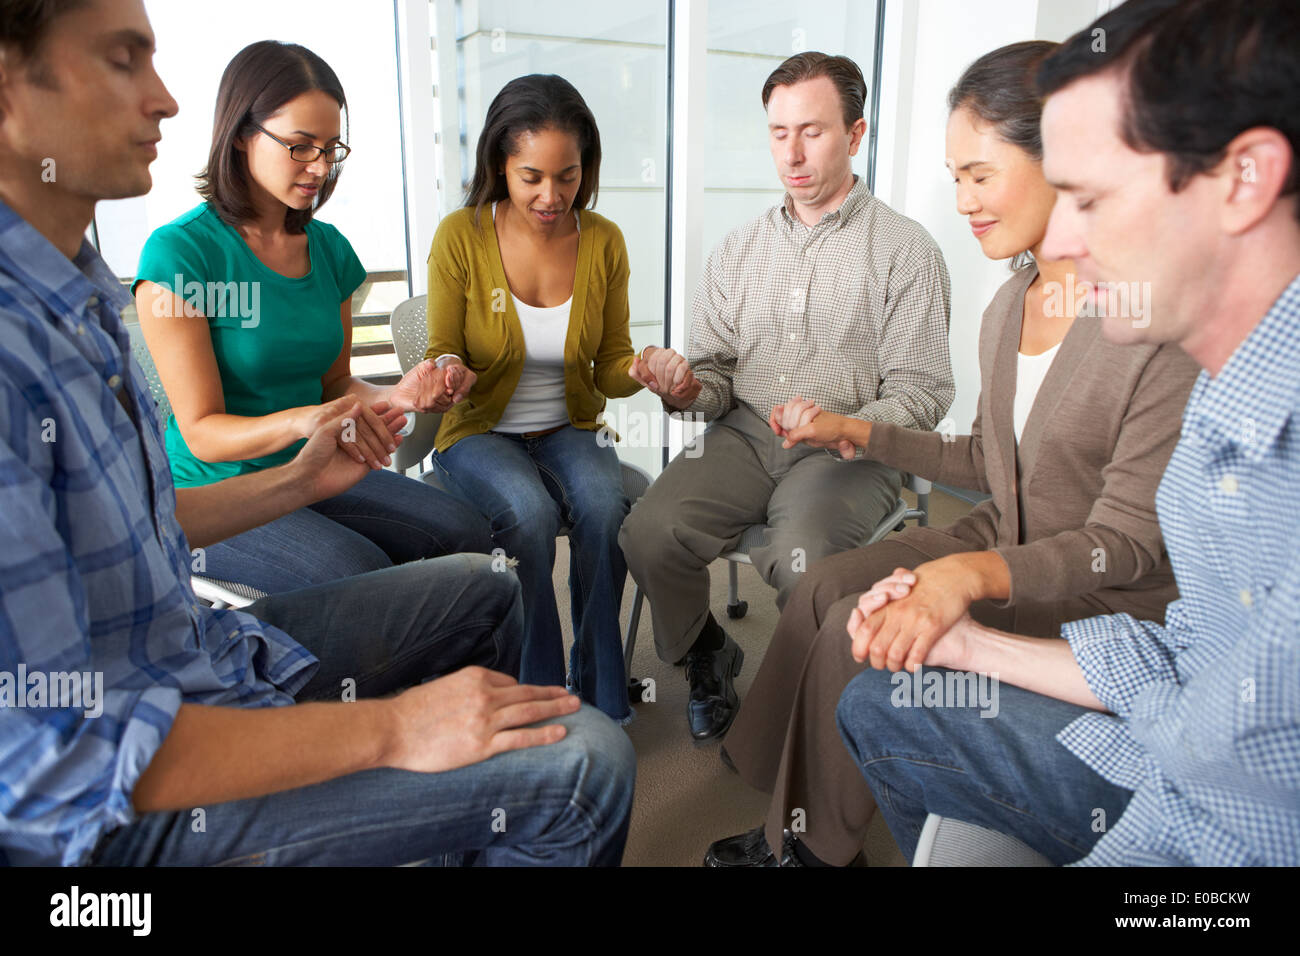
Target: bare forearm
1043, 665
222, 437
218, 754
355, 385
211, 513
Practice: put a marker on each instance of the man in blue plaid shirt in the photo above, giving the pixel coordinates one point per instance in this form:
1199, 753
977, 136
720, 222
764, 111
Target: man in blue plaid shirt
1171, 133
139, 726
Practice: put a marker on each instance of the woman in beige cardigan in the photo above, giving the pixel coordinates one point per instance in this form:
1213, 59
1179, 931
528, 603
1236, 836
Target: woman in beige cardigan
1070, 437
528, 334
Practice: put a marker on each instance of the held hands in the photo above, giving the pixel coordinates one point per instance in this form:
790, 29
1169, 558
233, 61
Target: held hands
469, 716
801, 420
912, 617
367, 435
667, 374
427, 388
327, 465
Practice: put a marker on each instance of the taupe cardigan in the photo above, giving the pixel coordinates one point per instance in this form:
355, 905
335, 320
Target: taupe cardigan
1093, 449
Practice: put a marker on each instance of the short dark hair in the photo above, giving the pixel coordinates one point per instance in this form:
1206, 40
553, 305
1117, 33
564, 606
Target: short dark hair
1197, 73
24, 25
840, 70
530, 104
261, 78
999, 89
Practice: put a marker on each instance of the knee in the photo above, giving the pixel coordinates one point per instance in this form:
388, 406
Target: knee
646, 537
864, 710
529, 523
602, 762
601, 510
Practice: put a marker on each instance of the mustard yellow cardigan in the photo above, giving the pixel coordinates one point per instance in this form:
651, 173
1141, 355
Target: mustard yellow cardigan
471, 314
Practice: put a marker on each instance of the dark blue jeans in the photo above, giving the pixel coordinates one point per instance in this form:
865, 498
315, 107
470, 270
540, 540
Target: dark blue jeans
1005, 772
528, 488
382, 520
562, 804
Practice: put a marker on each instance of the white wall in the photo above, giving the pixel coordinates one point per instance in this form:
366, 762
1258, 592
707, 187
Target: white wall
928, 43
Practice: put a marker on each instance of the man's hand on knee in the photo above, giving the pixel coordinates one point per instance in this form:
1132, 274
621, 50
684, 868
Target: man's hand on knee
469, 716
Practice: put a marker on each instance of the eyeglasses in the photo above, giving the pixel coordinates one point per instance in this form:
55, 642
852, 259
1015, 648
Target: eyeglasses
306, 153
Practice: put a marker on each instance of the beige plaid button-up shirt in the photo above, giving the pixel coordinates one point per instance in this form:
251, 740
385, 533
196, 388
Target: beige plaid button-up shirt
851, 313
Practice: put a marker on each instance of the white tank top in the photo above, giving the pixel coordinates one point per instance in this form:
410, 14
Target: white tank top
1030, 372
538, 400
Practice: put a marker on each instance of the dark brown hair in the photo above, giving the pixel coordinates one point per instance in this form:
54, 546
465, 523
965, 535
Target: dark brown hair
24, 24
261, 78
840, 70
1196, 73
999, 88
530, 104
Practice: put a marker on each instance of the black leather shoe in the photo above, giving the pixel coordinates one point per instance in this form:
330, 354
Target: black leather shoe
751, 849
713, 702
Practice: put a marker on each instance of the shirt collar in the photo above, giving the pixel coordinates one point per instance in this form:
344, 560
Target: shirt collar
1257, 390
63, 286
855, 200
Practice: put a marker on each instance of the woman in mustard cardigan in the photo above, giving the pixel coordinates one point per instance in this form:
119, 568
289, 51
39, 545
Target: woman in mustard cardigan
528, 319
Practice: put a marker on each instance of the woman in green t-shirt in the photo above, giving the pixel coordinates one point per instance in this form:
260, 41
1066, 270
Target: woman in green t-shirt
246, 304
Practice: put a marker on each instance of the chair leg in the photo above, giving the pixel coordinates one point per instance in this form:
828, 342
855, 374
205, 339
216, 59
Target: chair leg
923, 503
634, 685
736, 608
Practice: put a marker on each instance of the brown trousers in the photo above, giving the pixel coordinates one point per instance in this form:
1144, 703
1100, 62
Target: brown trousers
785, 741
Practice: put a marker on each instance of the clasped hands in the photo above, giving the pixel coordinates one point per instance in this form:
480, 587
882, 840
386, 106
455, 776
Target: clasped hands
801, 420
667, 374
916, 617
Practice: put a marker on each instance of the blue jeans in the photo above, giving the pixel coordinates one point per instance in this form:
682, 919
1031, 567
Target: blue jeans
562, 804
382, 520
528, 488
1006, 772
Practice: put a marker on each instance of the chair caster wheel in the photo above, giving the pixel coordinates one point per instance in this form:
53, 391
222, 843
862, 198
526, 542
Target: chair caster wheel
737, 611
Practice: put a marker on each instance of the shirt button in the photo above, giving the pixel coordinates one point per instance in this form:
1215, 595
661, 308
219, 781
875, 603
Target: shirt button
1246, 599
794, 336
81, 328
92, 302
114, 381
1229, 484
781, 379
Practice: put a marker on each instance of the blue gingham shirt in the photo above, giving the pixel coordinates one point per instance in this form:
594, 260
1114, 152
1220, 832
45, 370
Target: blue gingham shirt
94, 569
1206, 731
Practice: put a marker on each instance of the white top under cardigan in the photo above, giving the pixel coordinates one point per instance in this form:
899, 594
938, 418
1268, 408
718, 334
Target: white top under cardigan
538, 401
1030, 372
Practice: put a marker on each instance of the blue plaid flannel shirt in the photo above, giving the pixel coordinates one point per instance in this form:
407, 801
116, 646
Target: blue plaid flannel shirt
94, 569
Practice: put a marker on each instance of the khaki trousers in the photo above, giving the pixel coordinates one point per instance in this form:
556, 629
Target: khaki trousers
737, 475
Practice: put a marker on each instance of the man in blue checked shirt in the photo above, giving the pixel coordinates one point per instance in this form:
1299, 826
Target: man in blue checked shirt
219, 710
1171, 134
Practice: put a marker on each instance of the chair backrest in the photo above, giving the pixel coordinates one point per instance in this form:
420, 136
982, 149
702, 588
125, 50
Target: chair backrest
141, 352
410, 329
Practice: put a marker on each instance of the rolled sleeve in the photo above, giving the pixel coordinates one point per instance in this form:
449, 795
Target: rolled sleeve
1121, 656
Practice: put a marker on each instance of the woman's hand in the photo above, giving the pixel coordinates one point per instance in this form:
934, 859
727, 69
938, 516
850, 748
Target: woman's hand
666, 373
900, 620
804, 421
427, 388
366, 436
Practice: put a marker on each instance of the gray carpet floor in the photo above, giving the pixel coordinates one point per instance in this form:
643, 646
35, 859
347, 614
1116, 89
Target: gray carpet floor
685, 797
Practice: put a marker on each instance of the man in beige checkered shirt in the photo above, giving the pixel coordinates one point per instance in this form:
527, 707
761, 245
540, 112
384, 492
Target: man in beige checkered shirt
831, 296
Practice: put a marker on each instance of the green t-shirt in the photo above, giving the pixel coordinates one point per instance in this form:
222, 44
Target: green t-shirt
274, 337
